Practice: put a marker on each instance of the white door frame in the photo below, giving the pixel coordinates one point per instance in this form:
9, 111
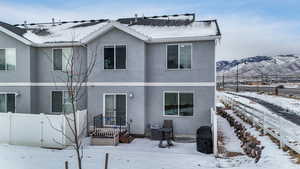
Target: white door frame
114, 94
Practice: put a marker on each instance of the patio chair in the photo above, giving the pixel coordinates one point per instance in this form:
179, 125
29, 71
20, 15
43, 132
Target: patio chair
169, 124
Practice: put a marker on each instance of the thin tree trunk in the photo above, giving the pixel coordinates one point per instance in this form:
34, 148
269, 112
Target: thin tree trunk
77, 145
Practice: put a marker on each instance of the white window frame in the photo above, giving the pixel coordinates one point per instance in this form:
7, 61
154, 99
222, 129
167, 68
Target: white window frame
63, 91
61, 60
103, 99
6, 63
115, 66
178, 102
178, 48
6, 100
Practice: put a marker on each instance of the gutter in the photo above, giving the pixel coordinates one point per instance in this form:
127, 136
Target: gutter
183, 39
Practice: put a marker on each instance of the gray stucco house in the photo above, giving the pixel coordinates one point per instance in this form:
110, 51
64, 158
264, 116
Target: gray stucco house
147, 69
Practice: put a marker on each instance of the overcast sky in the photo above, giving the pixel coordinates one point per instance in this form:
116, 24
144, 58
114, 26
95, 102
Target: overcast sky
249, 27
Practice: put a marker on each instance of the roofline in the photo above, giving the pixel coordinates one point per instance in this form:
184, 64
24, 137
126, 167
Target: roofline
216, 22
16, 36
108, 27
218, 28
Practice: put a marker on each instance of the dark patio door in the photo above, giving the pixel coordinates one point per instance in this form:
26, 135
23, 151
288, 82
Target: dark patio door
115, 109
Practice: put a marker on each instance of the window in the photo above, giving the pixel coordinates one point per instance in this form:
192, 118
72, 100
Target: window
178, 104
8, 59
62, 59
115, 57
7, 102
179, 56
61, 102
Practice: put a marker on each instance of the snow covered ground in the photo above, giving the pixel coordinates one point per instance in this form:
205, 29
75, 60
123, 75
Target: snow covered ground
272, 122
140, 154
230, 140
272, 156
144, 154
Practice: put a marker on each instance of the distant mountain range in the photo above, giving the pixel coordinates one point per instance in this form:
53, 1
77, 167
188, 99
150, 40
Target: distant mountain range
281, 65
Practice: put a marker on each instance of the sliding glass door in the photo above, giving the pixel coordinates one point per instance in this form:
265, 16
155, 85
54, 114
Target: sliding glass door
115, 106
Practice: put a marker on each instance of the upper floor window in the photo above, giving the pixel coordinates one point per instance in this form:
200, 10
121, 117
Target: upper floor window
178, 103
8, 59
62, 59
115, 57
61, 102
7, 102
179, 56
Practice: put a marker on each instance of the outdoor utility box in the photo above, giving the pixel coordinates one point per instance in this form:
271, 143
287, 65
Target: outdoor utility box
204, 140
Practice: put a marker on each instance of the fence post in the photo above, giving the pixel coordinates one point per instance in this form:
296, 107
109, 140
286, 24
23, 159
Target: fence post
42, 117
77, 113
63, 129
281, 133
214, 131
66, 165
10, 126
264, 123
106, 161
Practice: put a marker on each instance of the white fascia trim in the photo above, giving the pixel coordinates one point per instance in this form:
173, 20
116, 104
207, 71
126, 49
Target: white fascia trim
18, 37
108, 27
130, 31
151, 84
97, 33
94, 84
58, 44
15, 84
183, 39
182, 84
28, 84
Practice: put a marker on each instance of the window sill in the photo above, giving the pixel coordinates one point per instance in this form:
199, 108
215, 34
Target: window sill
115, 70
183, 70
7, 71
173, 116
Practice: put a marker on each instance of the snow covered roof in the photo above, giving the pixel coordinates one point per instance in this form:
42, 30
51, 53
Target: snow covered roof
149, 29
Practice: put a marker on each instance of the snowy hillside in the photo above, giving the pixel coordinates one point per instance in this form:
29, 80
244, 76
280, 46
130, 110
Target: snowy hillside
258, 65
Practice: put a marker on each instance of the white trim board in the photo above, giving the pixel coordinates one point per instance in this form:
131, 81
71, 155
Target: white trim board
92, 84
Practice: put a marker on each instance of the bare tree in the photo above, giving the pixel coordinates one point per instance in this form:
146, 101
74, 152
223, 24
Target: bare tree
78, 64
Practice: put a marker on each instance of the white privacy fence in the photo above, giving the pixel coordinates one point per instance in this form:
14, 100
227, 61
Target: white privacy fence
42, 130
214, 130
283, 130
